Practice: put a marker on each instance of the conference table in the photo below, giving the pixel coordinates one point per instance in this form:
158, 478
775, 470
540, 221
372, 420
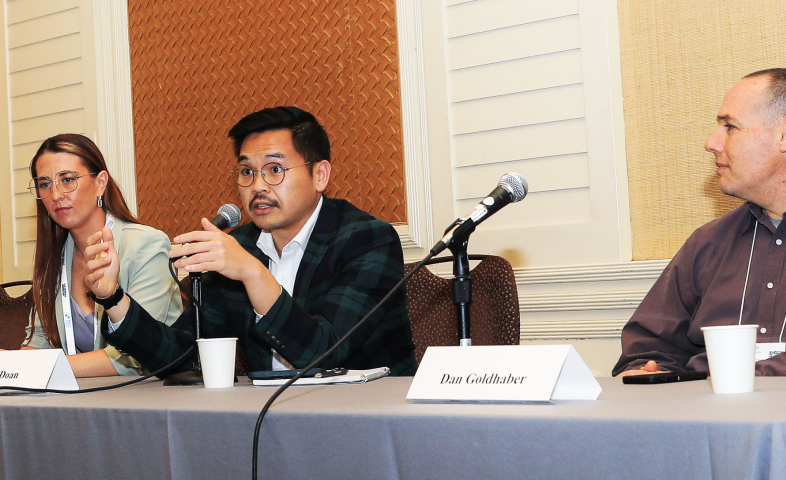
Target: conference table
370, 431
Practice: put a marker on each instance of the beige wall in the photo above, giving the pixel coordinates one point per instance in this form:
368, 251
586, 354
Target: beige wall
678, 58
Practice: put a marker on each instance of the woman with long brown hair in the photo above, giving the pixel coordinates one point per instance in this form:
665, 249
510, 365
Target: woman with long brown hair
76, 197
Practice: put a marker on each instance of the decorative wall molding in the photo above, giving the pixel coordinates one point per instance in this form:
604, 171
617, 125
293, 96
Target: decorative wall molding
8, 257
113, 91
417, 233
576, 302
582, 301
643, 270
576, 330
407, 238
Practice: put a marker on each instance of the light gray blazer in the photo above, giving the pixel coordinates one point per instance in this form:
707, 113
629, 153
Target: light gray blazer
144, 275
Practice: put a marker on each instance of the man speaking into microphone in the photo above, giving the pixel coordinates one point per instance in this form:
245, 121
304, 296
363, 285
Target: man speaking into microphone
289, 284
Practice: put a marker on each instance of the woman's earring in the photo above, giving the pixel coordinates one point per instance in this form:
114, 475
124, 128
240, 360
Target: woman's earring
100, 201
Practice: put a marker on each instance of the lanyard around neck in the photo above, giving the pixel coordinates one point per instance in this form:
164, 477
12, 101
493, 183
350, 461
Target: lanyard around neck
65, 298
747, 275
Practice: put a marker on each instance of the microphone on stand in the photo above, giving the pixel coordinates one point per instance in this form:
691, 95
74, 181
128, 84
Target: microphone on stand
512, 188
228, 217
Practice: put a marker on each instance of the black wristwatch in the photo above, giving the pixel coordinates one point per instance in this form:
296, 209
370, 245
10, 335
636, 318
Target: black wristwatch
111, 300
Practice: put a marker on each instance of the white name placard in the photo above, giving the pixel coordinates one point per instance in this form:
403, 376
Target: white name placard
36, 368
514, 373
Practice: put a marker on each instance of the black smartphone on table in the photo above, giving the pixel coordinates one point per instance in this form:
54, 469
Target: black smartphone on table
279, 374
669, 377
282, 374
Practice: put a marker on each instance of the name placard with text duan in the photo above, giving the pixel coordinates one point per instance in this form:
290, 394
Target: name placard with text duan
37, 368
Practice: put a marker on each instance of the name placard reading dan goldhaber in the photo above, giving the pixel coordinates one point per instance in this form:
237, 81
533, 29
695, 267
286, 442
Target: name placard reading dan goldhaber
515, 373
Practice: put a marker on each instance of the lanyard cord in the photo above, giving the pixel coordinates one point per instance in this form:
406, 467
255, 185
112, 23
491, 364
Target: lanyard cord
747, 274
65, 298
780, 338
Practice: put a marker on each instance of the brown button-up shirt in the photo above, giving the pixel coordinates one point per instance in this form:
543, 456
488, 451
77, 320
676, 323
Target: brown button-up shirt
703, 286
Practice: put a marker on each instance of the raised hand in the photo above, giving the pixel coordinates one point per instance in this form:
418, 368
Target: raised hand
102, 265
212, 250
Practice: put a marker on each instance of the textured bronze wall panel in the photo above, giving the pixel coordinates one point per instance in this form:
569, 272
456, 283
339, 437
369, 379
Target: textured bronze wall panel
198, 66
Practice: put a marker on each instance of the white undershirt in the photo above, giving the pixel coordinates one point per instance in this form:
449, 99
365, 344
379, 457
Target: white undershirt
284, 268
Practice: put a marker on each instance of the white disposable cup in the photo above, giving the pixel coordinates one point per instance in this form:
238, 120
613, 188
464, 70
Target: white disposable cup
731, 352
217, 356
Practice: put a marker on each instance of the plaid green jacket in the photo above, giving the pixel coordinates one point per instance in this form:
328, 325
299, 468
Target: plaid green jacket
351, 261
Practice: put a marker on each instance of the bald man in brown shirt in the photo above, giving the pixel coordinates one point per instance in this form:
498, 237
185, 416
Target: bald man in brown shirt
732, 269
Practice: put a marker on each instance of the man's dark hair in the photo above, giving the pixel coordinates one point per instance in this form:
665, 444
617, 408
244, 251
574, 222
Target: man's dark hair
775, 105
308, 137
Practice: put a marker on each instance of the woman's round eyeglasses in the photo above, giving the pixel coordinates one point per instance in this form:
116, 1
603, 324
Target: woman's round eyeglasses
65, 181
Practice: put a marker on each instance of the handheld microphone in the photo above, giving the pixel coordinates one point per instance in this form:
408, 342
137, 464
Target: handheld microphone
512, 187
228, 217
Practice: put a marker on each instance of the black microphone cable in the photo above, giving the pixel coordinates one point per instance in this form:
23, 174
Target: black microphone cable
106, 387
511, 185
172, 364
315, 363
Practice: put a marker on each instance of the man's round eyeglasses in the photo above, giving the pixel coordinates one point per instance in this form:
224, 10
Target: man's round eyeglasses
65, 181
272, 174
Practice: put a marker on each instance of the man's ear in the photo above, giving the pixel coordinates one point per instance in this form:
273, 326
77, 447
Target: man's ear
321, 175
780, 135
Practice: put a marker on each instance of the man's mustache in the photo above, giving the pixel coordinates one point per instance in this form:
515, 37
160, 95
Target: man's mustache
262, 196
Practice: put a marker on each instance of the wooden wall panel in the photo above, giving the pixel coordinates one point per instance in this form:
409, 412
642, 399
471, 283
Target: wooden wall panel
198, 66
46, 86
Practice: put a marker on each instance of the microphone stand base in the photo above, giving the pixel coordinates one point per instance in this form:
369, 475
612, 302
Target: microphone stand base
189, 377
183, 379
